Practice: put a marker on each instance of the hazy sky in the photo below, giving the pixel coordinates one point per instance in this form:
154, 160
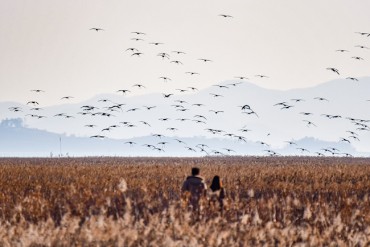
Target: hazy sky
47, 44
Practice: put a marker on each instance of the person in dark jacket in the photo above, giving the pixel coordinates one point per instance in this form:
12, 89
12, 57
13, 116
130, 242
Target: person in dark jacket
217, 194
194, 189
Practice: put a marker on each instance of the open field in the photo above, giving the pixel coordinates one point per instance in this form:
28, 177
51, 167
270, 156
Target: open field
271, 201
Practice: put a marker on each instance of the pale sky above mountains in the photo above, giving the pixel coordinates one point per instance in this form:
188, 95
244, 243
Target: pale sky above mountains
47, 45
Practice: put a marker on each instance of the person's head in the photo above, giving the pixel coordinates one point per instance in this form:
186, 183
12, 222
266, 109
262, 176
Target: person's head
216, 183
195, 171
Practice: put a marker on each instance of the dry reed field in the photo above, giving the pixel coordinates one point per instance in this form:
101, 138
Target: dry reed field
271, 201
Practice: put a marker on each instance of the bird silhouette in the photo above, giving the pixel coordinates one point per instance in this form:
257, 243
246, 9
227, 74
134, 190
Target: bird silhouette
226, 16
145, 123
32, 102
132, 49
205, 60
139, 33
165, 79
192, 73
137, 54
262, 76
334, 70
216, 95
96, 29
67, 97
176, 62
321, 99
216, 112
123, 91
138, 86
131, 143
179, 52
149, 107
352, 78
164, 55
362, 47
167, 95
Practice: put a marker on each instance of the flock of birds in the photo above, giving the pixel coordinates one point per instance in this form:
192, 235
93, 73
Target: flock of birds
112, 109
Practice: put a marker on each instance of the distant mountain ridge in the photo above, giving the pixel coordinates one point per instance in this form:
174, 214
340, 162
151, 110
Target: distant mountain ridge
271, 124
19, 141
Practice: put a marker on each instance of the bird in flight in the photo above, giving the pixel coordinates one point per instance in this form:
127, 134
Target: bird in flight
341, 50
167, 95
97, 29
216, 112
358, 58
139, 86
67, 97
130, 142
149, 107
352, 78
362, 47
193, 88
291, 143
32, 102
220, 86
205, 60
38, 91
334, 70
262, 76
321, 99
98, 136
192, 73
226, 16
176, 62
297, 100
139, 33
132, 49
309, 123
156, 43
163, 55
179, 52
165, 79
366, 34
216, 95
137, 54
124, 91
306, 113
242, 77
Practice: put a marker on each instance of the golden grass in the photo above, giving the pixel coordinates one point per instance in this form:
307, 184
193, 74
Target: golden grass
271, 201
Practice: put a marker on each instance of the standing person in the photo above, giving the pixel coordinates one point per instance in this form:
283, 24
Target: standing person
217, 193
194, 189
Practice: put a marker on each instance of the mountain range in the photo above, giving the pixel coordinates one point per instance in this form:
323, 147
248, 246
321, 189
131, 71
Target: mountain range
333, 114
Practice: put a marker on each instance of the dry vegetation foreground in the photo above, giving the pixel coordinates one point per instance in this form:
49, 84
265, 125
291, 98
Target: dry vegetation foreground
273, 201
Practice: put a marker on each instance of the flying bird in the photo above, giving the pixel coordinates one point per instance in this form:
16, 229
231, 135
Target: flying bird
97, 29
205, 60
334, 70
226, 16
138, 85
139, 33
352, 78
67, 97
192, 73
179, 52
